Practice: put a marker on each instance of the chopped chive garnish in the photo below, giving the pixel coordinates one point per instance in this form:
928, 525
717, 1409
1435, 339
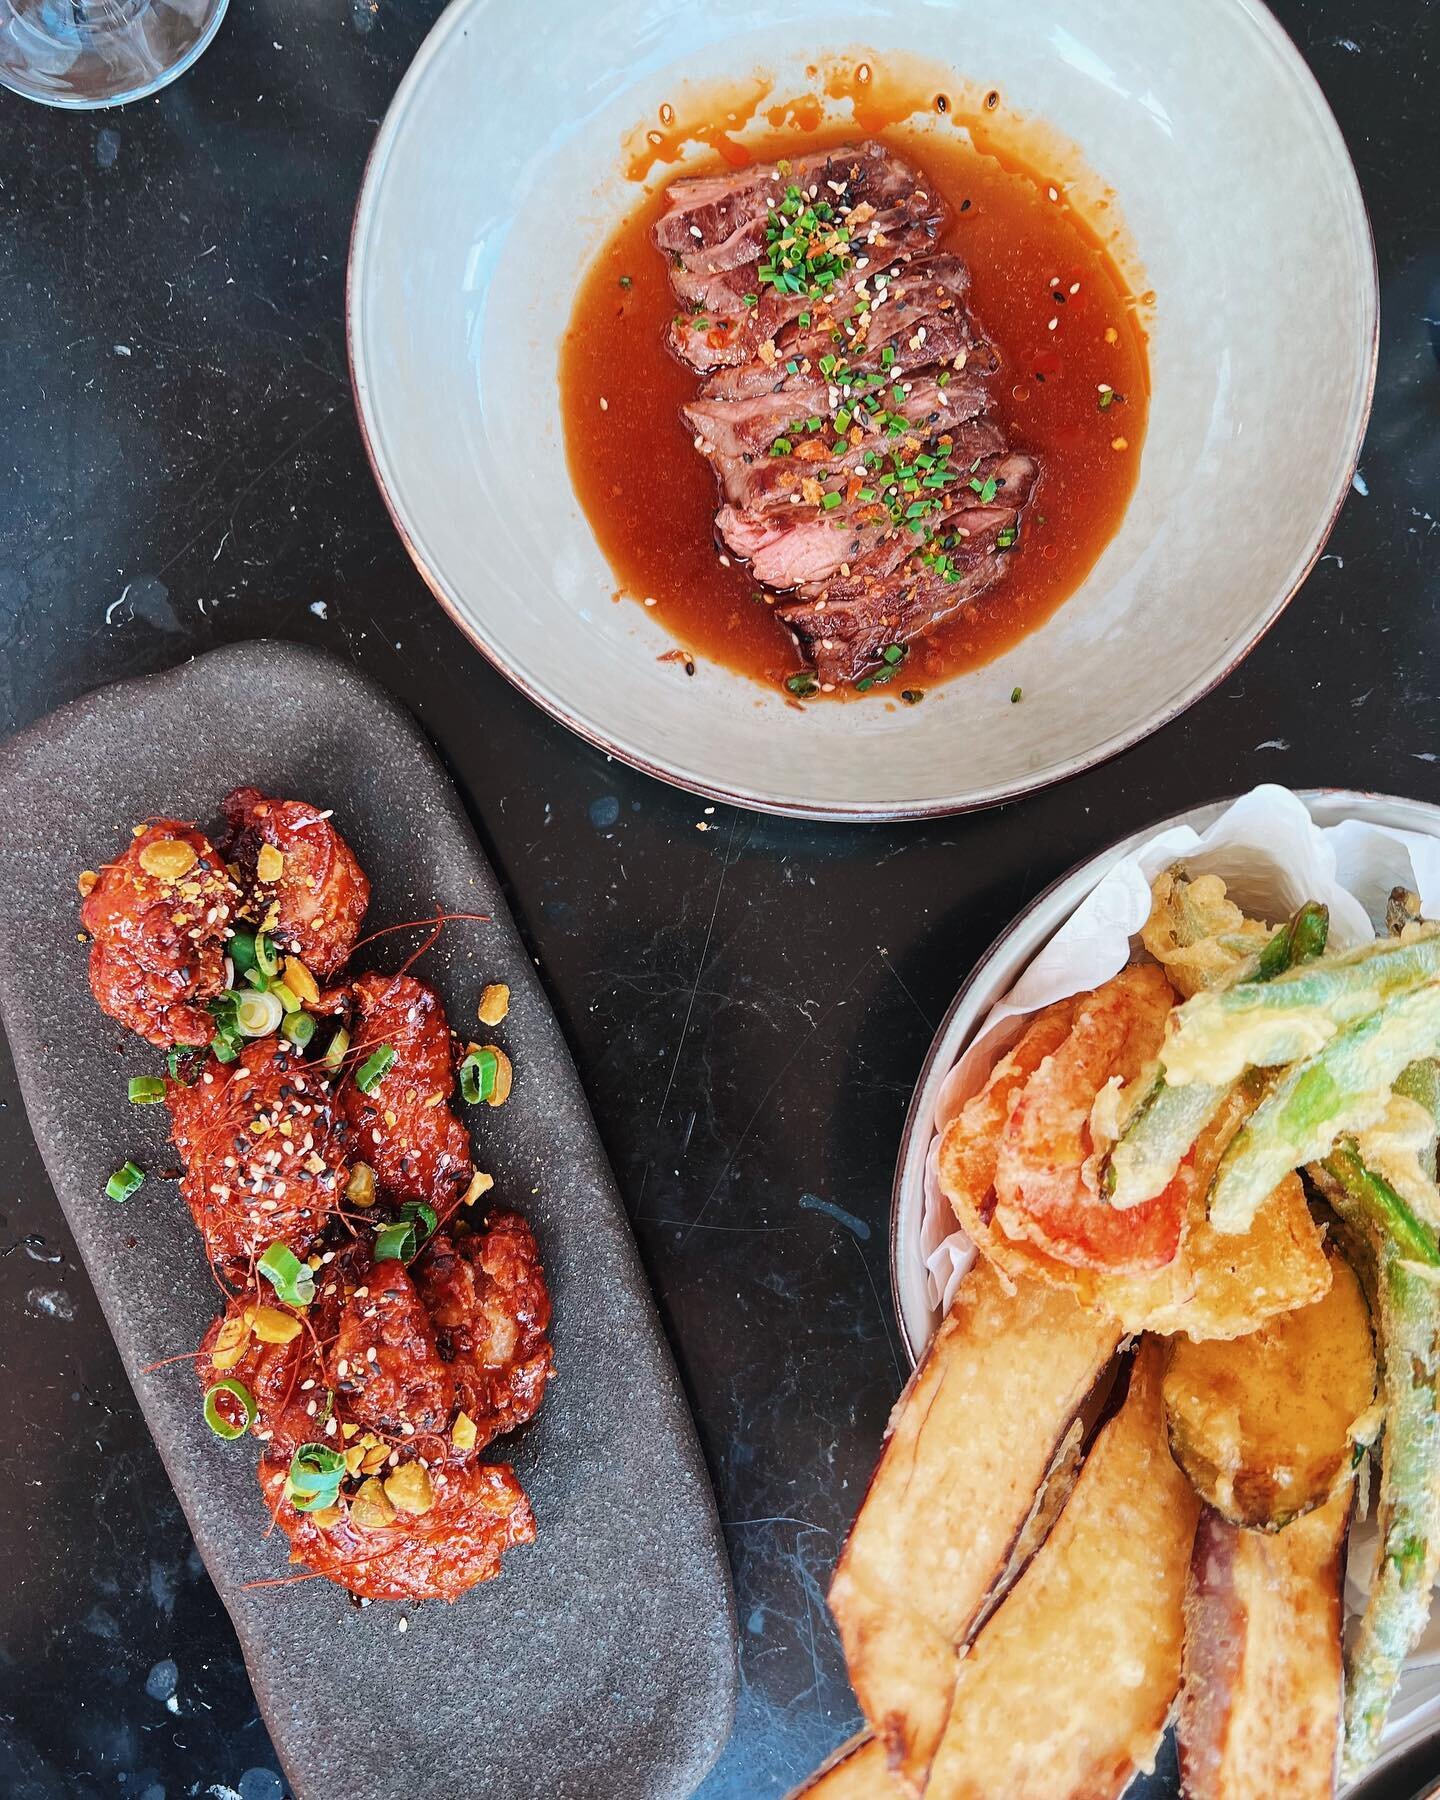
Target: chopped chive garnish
803, 685
395, 1243
292, 1280
894, 653
125, 1181
422, 1217
374, 1069
221, 1403
478, 1074
145, 1090
313, 1482
625, 281
781, 447
830, 501
1015, 694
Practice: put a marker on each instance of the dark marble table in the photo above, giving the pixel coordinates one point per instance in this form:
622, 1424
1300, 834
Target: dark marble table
748, 1000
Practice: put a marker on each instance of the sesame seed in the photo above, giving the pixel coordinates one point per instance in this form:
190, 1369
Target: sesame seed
1051, 326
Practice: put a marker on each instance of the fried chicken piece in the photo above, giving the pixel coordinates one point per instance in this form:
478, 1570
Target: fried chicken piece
285, 1380
383, 1364
313, 901
264, 1152
158, 918
486, 1294
404, 1128
477, 1512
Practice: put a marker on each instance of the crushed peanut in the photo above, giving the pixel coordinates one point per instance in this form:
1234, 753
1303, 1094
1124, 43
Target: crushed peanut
494, 1003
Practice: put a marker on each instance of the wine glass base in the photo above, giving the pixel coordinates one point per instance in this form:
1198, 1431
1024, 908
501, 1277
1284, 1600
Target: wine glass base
91, 53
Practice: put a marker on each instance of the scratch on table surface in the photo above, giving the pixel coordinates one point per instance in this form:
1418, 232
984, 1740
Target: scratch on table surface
700, 965
802, 1043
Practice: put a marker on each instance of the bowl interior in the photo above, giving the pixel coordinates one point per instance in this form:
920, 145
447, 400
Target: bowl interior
499, 172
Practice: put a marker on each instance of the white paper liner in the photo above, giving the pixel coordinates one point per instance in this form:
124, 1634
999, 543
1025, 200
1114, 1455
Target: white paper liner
1272, 857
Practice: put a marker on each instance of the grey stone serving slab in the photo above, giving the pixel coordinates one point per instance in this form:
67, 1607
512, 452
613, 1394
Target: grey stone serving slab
601, 1663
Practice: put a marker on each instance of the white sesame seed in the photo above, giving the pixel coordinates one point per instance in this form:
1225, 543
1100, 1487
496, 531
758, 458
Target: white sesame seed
1053, 193
1052, 325
604, 404
650, 600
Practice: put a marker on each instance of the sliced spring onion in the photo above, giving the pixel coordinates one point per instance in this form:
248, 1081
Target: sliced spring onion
267, 957
335, 1054
292, 1280
145, 1090
477, 1076
286, 995
802, 685
395, 1242
299, 1028
316, 1472
224, 1048
183, 1064
227, 1395
125, 1181
257, 1015
257, 980
242, 952
374, 1069
422, 1217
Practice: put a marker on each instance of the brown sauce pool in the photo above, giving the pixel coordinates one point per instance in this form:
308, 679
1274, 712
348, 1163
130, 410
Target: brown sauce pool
1045, 291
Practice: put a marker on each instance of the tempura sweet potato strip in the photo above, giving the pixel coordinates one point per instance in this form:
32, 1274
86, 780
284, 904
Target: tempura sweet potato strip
970, 1444
1065, 1692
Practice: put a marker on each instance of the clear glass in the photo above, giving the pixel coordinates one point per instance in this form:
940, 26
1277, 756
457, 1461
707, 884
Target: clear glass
100, 52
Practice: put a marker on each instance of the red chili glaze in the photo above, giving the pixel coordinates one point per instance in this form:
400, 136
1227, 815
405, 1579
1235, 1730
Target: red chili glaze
383, 1364
158, 943
319, 897
404, 1128
263, 1150
487, 1296
479, 1512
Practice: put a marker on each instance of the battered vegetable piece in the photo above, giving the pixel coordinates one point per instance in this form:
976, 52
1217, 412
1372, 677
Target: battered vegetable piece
1405, 1298
1217, 1286
301, 878
1260, 1696
970, 1443
403, 1127
1065, 1692
1267, 1425
488, 1301
477, 1512
1045, 1182
264, 1153
1343, 1088
383, 1363
158, 919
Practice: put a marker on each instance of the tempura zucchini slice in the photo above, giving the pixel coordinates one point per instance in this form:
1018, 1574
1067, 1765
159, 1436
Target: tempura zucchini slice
1266, 1426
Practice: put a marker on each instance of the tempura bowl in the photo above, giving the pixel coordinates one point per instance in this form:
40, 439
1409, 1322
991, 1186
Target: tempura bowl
498, 172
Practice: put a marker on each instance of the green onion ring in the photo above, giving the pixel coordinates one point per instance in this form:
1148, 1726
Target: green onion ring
216, 1420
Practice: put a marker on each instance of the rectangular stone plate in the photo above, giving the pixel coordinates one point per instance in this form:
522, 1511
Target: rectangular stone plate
602, 1661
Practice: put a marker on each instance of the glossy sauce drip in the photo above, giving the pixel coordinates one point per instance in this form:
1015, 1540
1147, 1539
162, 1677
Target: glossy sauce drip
650, 496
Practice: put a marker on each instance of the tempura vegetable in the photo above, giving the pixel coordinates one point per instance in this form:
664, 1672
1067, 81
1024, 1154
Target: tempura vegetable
1342, 1088
1215, 1037
1266, 1426
1259, 1714
1400, 1261
1065, 1691
971, 1441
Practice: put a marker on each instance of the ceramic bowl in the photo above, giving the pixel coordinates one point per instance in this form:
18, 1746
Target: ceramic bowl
498, 172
